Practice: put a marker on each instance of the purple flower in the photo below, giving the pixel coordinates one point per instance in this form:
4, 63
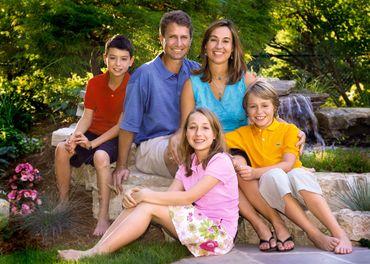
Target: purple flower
209, 245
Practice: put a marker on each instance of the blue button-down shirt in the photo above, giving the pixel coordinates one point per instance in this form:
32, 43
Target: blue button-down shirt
152, 102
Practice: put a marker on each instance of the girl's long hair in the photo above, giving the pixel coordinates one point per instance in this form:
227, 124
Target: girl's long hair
237, 66
218, 145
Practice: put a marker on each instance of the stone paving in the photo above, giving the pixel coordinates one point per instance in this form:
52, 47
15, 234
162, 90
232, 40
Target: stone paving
250, 254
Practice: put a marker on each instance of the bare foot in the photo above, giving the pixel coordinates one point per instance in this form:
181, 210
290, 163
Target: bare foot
71, 254
324, 242
101, 227
344, 246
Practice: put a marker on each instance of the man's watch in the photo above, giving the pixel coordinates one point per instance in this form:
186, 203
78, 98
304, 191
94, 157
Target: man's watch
90, 148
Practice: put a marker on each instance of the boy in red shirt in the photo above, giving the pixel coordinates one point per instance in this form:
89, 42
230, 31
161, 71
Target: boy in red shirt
95, 139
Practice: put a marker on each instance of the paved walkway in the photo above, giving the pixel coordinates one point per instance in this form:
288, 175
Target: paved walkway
300, 255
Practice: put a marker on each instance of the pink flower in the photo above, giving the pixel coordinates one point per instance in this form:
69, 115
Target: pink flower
34, 194
26, 209
209, 245
12, 195
14, 210
38, 202
24, 166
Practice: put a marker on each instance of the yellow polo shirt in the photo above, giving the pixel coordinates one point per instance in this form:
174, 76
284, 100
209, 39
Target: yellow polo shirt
266, 146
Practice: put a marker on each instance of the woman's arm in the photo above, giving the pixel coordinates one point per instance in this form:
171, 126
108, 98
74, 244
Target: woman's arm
177, 197
187, 105
249, 78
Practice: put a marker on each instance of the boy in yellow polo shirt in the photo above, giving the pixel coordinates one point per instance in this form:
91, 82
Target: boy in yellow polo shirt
277, 171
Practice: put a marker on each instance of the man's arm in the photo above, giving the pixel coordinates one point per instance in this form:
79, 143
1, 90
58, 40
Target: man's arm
121, 172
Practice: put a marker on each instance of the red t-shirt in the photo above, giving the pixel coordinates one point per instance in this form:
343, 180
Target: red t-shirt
106, 103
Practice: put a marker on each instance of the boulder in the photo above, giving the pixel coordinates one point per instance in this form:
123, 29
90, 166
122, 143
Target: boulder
4, 213
283, 87
345, 125
136, 178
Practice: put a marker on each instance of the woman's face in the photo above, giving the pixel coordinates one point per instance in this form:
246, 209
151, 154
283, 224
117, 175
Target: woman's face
260, 111
199, 133
220, 45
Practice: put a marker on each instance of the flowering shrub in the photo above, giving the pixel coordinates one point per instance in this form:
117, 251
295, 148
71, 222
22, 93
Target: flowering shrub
23, 196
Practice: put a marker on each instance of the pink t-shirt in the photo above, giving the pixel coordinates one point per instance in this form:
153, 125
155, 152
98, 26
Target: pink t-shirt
221, 203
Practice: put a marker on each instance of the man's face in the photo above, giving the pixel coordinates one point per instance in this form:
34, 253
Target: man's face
176, 41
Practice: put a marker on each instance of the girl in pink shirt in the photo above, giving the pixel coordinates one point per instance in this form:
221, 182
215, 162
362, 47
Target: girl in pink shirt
200, 207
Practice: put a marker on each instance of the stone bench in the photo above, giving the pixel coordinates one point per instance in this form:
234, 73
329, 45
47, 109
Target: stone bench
355, 223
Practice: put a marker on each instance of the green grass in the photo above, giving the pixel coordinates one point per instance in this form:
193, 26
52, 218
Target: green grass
137, 252
338, 160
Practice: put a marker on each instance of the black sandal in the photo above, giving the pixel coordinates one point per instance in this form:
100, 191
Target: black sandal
262, 241
283, 244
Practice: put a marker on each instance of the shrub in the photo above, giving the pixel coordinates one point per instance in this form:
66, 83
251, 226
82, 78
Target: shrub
355, 195
338, 160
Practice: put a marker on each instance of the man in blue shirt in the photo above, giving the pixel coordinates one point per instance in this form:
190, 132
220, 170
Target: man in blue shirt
152, 102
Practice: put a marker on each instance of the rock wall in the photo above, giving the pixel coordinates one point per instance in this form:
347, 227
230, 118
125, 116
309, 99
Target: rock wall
348, 126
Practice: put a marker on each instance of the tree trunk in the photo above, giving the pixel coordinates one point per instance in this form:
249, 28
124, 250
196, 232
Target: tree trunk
95, 61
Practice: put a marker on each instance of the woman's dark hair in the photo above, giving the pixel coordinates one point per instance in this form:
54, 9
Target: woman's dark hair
237, 65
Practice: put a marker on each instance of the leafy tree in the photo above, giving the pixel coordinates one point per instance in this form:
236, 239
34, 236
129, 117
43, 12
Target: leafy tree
325, 38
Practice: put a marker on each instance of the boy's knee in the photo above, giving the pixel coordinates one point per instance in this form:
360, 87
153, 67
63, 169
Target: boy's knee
101, 159
275, 174
60, 150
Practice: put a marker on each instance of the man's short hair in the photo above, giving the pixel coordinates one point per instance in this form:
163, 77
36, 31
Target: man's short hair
179, 17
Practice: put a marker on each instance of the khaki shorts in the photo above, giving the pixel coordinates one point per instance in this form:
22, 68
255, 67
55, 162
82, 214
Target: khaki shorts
276, 183
150, 156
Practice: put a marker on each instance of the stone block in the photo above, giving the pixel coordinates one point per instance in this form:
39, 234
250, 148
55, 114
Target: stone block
136, 178
355, 223
61, 134
80, 109
282, 87
345, 125
84, 175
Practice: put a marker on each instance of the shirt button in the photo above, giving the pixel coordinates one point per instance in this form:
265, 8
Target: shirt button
263, 139
112, 95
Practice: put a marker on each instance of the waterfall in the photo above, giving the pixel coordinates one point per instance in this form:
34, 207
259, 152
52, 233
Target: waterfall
297, 109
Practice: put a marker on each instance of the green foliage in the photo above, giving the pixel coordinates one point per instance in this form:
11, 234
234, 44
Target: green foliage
338, 160
365, 242
137, 252
355, 195
325, 38
13, 112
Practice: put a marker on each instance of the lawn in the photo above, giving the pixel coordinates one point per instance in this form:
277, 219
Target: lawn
137, 252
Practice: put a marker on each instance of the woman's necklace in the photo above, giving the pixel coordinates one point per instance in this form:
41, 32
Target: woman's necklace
219, 89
